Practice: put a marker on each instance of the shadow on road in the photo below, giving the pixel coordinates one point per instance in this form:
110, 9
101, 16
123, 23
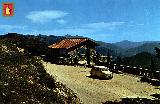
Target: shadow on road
134, 101
95, 77
153, 82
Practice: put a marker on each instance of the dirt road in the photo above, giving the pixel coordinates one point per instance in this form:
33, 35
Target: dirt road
95, 91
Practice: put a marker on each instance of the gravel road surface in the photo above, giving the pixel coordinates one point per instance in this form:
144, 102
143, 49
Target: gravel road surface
95, 91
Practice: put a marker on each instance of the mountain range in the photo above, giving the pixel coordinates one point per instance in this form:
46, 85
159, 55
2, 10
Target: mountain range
124, 48
125, 44
128, 48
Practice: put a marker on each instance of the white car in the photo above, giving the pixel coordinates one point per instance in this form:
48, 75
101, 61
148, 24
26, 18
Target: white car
101, 72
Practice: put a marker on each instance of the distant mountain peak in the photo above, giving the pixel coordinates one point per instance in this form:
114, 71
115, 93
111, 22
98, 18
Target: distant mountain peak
126, 44
125, 41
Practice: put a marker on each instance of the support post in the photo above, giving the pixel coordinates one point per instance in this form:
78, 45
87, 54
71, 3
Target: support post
88, 55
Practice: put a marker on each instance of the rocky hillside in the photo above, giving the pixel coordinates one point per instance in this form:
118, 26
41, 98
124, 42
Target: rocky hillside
23, 79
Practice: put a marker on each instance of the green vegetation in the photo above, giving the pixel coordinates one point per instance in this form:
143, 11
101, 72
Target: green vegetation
147, 47
23, 79
114, 50
36, 45
143, 60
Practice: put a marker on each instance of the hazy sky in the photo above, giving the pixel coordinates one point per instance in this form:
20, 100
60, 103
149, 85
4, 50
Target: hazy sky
105, 20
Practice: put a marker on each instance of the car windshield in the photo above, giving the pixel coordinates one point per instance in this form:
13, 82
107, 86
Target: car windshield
101, 68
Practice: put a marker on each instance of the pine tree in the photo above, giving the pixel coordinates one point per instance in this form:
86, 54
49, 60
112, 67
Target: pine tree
108, 59
152, 68
119, 60
157, 52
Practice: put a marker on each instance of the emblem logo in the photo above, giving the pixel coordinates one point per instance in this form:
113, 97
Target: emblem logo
8, 9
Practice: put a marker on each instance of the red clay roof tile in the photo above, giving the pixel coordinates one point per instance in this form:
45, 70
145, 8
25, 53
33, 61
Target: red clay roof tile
68, 43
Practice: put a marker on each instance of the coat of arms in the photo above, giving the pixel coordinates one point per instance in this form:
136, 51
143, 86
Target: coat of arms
8, 9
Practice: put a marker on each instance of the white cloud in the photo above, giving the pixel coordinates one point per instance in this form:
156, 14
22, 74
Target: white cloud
45, 16
72, 31
61, 21
91, 28
104, 25
134, 24
11, 27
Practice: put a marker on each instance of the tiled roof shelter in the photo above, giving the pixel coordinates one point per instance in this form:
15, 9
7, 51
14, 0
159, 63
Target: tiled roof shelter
68, 45
70, 42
